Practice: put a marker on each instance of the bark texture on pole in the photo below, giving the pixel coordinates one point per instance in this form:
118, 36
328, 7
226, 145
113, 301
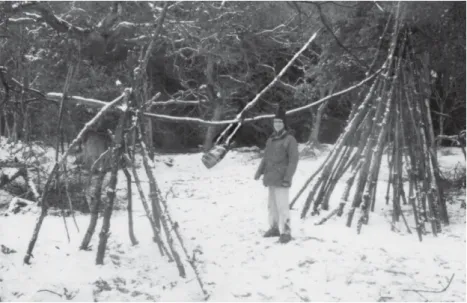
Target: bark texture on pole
43, 201
391, 115
95, 206
131, 230
115, 160
163, 215
156, 231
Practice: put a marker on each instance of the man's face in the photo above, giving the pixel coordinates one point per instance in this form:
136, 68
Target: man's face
278, 124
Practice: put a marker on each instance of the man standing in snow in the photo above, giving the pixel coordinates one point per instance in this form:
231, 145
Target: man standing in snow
278, 167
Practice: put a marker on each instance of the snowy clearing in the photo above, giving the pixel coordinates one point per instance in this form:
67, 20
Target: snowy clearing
222, 215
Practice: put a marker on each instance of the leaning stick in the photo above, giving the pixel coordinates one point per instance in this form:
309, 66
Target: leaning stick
175, 227
94, 205
116, 155
156, 199
131, 231
43, 201
351, 127
306, 185
155, 229
271, 84
70, 205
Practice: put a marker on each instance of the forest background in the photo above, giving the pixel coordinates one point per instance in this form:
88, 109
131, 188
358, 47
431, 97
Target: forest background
211, 59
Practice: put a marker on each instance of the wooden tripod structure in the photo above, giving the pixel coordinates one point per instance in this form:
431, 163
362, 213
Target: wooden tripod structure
394, 115
132, 104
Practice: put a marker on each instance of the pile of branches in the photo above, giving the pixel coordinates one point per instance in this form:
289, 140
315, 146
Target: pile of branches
393, 116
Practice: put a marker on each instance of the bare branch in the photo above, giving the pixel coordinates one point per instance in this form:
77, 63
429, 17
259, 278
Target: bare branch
440, 114
22, 21
286, 86
136, 40
19, 7
154, 38
51, 291
56, 97
55, 22
326, 2
178, 102
77, 99
252, 102
267, 31
5, 78
261, 117
268, 67
453, 138
339, 4
99, 103
222, 16
233, 79
323, 21
433, 291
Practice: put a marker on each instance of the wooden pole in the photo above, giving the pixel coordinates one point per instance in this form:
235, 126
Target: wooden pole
131, 230
164, 220
117, 151
95, 204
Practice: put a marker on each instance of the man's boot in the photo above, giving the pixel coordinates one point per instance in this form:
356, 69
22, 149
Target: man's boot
272, 232
285, 238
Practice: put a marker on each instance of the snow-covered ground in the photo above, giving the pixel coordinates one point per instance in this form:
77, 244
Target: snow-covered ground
222, 213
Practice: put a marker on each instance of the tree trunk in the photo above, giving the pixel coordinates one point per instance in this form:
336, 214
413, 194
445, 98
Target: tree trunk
217, 104
26, 128
317, 115
24, 108
2, 123
149, 137
211, 130
15, 134
426, 94
313, 137
7, 126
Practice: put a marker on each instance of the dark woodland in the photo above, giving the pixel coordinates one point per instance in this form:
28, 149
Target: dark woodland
210, 59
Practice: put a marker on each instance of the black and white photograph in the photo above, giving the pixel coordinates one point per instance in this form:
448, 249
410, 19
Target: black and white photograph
233, 151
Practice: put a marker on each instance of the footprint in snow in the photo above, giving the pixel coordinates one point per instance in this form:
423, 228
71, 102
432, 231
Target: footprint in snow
308, 238
244, 295
306, 263
265, 297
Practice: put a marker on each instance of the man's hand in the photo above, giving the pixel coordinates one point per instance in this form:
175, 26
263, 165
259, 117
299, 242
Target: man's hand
285, 183
257, 176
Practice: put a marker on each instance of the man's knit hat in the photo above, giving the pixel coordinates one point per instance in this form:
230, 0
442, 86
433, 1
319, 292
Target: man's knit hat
280, 114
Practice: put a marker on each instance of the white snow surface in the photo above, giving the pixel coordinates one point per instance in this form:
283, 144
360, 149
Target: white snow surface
222, 212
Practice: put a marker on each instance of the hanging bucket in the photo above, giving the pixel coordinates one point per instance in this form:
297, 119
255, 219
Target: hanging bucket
214, 156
